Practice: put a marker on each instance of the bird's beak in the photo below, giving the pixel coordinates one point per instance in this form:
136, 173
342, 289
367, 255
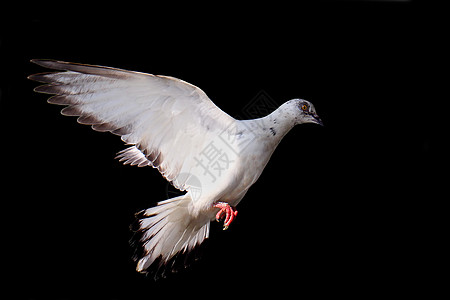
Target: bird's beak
317, 120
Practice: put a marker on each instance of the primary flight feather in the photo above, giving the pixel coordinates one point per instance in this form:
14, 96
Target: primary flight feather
173, 126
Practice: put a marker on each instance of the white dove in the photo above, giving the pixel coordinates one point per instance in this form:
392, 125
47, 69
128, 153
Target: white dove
173, 126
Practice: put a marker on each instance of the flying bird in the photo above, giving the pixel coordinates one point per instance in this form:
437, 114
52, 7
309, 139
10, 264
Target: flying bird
173, 126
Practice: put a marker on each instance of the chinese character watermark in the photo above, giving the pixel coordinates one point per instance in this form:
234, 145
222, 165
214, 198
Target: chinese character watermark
260, 106
219, 154
213, 160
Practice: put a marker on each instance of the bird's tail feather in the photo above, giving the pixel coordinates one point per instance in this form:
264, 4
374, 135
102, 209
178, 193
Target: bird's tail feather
167, 230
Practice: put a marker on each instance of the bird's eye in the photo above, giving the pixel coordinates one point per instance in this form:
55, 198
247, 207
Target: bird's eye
304, 107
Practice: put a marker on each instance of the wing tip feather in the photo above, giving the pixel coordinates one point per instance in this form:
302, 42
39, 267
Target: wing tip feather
86, 68
39, 77
71, 110
49, 63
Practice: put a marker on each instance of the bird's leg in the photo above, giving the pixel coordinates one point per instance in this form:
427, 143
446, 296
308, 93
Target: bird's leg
229, 212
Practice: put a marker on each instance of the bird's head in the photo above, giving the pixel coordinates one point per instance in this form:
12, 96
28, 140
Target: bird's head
305, 112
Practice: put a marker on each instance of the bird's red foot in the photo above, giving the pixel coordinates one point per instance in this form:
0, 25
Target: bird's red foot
229, 212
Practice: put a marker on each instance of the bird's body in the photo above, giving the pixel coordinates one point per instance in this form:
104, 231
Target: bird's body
174, 127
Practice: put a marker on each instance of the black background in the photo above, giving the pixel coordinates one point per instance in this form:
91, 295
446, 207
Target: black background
339, 210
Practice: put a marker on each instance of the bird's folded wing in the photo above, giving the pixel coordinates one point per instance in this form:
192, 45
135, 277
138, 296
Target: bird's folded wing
166, 119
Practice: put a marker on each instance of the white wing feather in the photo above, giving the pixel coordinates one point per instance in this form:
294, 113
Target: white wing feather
168, 121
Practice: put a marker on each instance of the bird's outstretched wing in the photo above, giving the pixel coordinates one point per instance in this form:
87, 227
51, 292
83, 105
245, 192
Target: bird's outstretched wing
168, 121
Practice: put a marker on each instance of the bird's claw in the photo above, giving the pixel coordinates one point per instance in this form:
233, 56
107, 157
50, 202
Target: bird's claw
229, 212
